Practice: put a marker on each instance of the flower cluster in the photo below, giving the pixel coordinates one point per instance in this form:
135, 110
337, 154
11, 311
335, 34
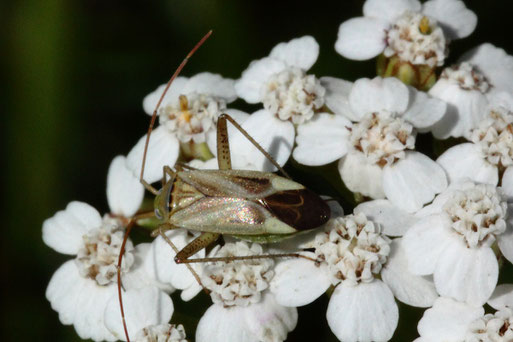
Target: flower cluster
429, 231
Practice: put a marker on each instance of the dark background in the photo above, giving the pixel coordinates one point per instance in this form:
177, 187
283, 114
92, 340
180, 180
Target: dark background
74, 74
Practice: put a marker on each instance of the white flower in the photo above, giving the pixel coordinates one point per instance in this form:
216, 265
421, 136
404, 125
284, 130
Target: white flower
245, 308
467, 87
188, 114
353, 252
491, 151
376, 153
414, 32
449, 320
289, 95
452, 240
81, 289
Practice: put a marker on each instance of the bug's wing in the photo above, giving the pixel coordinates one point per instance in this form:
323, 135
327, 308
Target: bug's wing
228, 215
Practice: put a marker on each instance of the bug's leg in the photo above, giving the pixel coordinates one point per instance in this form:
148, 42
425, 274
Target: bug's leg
223, 136
182, 166
197, 246
247, 257
224, 159
202, 241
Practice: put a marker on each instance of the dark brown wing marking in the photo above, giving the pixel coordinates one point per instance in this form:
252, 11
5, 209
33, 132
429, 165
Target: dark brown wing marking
302, 209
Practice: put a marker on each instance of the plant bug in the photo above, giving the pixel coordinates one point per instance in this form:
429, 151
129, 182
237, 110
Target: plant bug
250, 205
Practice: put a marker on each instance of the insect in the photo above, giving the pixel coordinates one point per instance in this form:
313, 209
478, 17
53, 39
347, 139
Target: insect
249, 205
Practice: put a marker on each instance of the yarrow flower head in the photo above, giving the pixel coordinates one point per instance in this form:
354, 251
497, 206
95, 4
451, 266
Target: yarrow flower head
376, 151
188, 115
81, 289
490, 154
162, 333
470, 88
244, 304
459, 227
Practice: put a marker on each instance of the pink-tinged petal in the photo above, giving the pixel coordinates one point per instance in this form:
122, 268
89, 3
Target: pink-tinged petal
211, 84
361, 38
502, 297
425, 241
505, 240
467, 161
507, 183
322, 140
361, 176
395, 221
456, 19
448, 320
337, 96
255, 76
409, 288
211, 136
160, 263
162, 150
299, 52
466, 274
269, 321
124, 191
151, 100
274, 135
413, 181
64, 231
142, 307
365, 312
80, 301
494, 63
465, 110
424, 111
390, 9
378, 94
298, 282
220, 324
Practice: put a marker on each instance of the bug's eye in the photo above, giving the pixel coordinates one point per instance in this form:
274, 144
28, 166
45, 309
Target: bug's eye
158, 214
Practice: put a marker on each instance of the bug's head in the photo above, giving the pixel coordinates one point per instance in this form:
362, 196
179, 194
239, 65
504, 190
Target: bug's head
161, 203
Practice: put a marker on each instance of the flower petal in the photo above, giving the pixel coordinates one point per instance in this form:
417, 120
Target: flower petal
162, 150
505, 240
502, 297
274, 135
425, 241
507, 183
389, 9
299, 52
220, 324
124, 191
211, 84
151, 100
424, 111
466, 274
395, 221
467, 161
448, 320
298, 282
63, 231
337, 95
142, 307
80, 301
456, 19
378, 94
365, 312
269, 321
322, 140
465, 110
255, 76
413, 181
361, 38
361, 176
494, 63
409, 288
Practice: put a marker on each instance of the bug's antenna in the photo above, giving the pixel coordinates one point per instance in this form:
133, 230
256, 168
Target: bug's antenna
120, 296
154, 116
